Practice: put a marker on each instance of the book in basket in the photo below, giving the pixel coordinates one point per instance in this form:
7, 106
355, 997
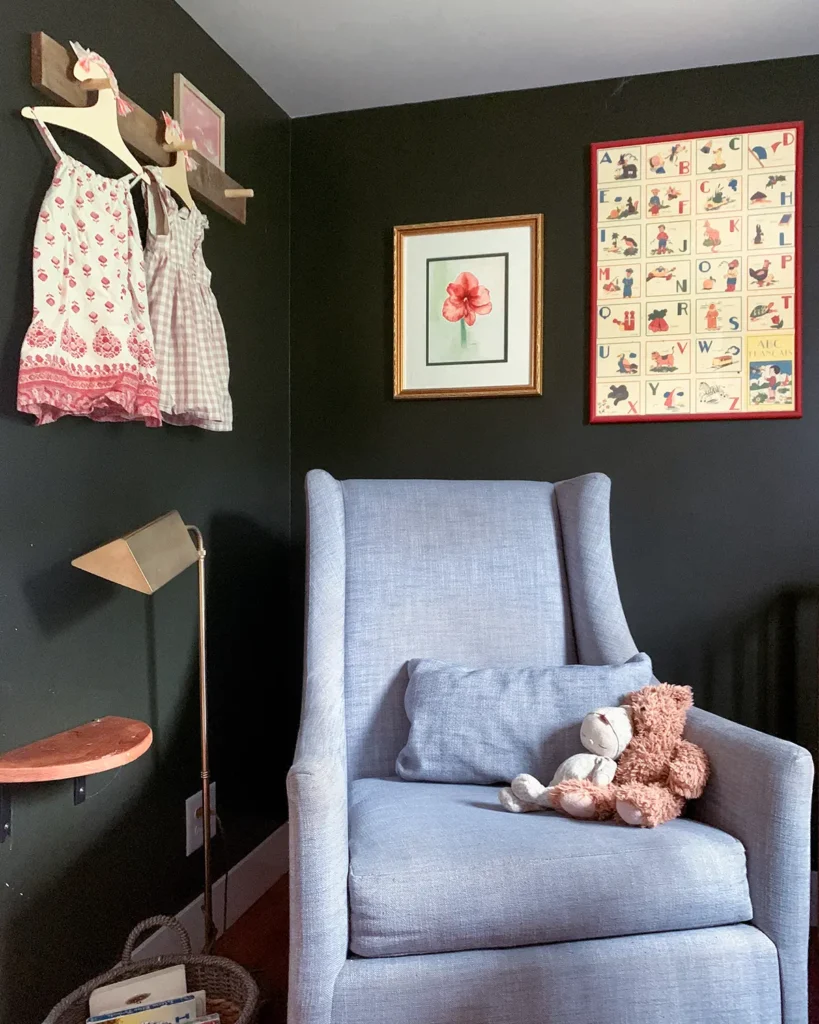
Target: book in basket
180, 1010
144, 990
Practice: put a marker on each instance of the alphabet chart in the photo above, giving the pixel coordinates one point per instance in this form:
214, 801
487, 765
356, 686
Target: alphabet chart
696, 265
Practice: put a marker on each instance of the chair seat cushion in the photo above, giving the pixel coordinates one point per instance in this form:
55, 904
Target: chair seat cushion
436, 868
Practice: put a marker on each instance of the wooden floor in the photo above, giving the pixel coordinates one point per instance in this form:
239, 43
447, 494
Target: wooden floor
258, 941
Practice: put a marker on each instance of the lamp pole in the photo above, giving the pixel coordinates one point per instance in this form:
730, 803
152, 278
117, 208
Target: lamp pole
210, 927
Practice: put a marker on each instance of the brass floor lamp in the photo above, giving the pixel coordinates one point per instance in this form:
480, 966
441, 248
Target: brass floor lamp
145, 560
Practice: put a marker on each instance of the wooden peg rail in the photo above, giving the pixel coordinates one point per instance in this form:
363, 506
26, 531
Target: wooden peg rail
51, 74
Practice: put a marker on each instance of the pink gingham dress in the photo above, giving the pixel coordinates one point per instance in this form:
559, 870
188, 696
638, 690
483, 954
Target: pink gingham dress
189, 338
89, 348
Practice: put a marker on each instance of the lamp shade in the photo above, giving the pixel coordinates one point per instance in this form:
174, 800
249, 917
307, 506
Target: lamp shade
144, 559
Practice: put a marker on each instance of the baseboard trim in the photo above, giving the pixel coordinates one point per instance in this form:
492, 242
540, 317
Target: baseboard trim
248, 881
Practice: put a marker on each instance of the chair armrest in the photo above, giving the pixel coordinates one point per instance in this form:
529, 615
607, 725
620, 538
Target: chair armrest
317, 782
760, 792
319, 939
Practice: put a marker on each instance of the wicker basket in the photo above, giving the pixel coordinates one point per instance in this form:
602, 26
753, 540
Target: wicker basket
231, 991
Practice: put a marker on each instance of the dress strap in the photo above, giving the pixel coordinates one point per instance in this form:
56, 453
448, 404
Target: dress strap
49, 139
129, 180
158, 203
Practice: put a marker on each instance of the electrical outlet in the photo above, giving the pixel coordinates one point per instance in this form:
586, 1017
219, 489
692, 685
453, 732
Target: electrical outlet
194, 834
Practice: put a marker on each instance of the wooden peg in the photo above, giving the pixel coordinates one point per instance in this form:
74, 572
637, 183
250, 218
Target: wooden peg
178, 147
95, 84
238, 193
51, 65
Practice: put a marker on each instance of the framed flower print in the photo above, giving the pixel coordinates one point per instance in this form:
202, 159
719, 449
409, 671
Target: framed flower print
468, 308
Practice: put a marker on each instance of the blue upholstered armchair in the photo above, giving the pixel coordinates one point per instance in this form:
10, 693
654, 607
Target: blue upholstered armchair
424, 903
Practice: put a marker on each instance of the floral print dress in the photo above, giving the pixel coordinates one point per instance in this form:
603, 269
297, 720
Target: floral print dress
89, 350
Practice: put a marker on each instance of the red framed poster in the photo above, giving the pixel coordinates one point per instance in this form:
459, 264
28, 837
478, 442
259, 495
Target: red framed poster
696, 276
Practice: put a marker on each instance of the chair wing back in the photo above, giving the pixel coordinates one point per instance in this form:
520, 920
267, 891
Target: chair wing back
479, 573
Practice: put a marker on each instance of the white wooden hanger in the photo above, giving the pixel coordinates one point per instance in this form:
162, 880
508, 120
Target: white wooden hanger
176, 175
99, 121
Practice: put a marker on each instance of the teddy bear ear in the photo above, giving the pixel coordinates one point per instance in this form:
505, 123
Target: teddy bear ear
683, 696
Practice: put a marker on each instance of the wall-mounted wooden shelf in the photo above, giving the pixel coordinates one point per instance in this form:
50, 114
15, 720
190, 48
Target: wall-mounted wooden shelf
51, 74
98, 746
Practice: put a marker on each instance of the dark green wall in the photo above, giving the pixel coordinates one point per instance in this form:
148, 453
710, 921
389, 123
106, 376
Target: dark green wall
74, 880
715, 525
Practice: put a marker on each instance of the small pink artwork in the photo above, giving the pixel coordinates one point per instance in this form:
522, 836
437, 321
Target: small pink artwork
200, 120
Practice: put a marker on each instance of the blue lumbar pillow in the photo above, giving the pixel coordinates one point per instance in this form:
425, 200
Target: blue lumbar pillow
487, 725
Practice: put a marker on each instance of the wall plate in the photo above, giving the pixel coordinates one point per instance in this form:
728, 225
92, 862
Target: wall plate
193, 820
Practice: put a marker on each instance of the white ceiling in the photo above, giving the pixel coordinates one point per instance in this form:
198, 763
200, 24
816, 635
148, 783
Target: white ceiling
314, 56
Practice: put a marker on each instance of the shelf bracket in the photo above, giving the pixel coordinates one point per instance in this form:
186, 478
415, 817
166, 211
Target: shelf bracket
5, 813
5, 804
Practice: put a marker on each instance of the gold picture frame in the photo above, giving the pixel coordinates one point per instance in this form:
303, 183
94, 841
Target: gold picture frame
200, 119
465, 355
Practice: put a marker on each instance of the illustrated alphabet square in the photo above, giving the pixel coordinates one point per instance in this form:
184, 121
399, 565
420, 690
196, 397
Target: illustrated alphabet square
671, 158
668, 358
718, 194
719, 154
719, 394
770, 312
619, 281
619, 358
771, 230
619, 202
668, 239
670, 278
619, 399
619, 165
618, 319
716, 235
719, 315
775, 189
665, 200
772, 149
719, 275
771, 270
668, 397
721, 355
618, 242
668, 317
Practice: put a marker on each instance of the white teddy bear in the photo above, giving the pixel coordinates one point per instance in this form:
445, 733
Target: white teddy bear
605, 733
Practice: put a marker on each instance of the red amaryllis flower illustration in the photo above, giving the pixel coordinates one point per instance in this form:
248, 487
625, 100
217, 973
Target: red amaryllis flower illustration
105, 344
467, 299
